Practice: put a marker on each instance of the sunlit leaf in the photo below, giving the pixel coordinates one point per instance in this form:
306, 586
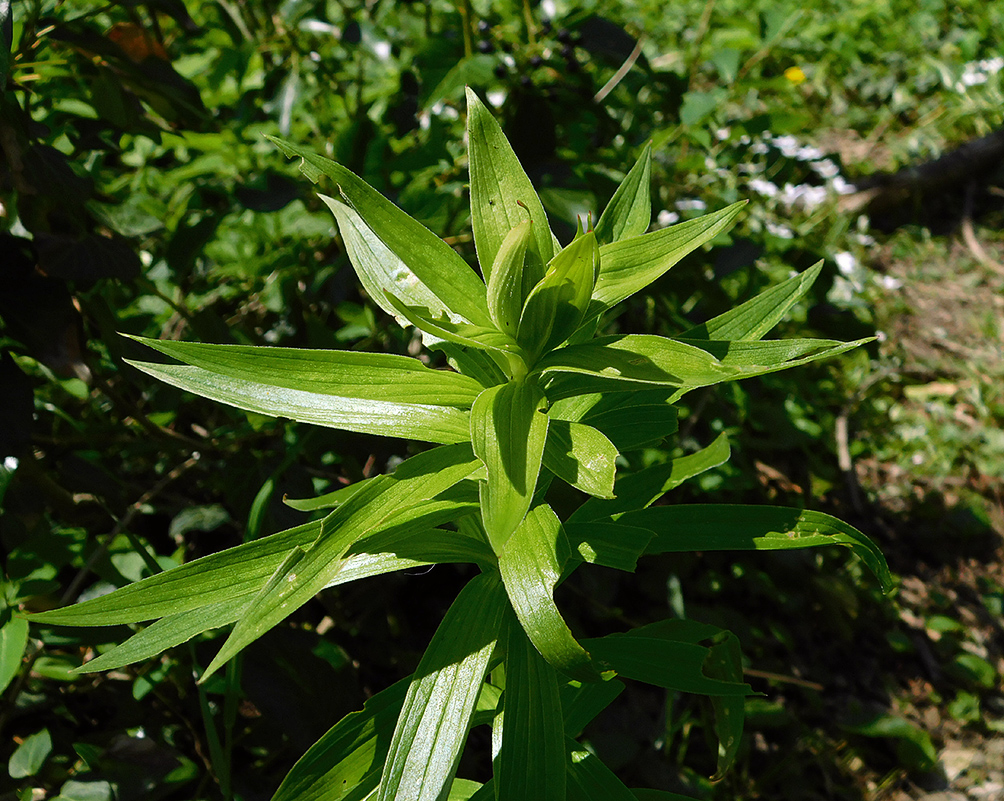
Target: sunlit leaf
581, 456
508, 432
437, 710
629, 211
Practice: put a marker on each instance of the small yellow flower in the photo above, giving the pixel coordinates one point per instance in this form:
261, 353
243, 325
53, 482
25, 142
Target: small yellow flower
795, 75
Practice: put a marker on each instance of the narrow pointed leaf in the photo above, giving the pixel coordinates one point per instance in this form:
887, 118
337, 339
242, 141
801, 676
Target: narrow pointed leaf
497, 183
340, 373
531, 762
434, 262
725, 662
589, 779
346, 762
755, 317
632, 264
639, 490
423, 422
665, 654
581, 456
508, 432
531, 566
436, 714
418, 479
464, 334
714, 527
505, 286
656, 360
237, 572
629, 211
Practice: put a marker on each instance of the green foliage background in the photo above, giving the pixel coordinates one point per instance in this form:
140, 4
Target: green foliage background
140, 196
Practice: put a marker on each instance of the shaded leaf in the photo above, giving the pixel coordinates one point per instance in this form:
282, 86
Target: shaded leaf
581, 456
714, 527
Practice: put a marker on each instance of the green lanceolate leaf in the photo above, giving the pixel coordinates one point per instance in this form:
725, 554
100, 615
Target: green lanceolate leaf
630, 265
714, 527
505, 284
498, 186
341, 373
591, 780
608, 543
725, 662
581, 456
531, 565
555, 306
755, 317
630, 420
422, 422
531, 761
347, 761
464, 334
508, 432
436, 714
638, 490
629, 211
644, 358
418, 479
234, 573
665, 654
581, 703
434, 262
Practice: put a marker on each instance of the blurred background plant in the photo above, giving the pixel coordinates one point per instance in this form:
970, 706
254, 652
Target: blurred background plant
140, 196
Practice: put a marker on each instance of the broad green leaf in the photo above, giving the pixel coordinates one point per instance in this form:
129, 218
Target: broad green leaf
555, 306
30, 755
418, 479
630, 420
581, 456
604, 542
531, 565
632, 264
725, 662
714, 527
498, 185
432, 728
463, 789
431, 260
531, 761
505, 286
423, 422
464, 334
665, 654
629, 211
581, 702
13, 641
508, 432
755, 317
744, 359
340, 373
638, 490
346, 762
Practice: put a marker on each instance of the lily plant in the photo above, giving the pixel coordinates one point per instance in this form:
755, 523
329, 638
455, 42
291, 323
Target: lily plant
535, 395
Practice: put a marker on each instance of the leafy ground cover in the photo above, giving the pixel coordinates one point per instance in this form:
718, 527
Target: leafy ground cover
140, 196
